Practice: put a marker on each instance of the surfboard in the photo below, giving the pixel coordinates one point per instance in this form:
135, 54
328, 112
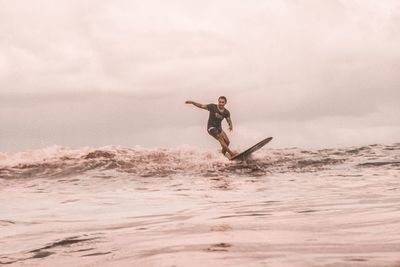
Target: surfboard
245, 154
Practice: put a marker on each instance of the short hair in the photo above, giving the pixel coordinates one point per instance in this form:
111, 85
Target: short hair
224, 98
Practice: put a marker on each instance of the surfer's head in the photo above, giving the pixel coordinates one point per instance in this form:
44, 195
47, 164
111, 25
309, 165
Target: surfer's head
222, 101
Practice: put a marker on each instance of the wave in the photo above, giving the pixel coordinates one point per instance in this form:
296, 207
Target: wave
58, 161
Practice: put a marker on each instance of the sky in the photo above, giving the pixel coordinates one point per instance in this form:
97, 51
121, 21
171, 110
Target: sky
310, 73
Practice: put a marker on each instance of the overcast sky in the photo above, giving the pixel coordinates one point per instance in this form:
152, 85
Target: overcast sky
311, 73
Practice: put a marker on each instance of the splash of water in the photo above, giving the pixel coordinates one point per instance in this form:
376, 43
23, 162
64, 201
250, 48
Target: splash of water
57, 161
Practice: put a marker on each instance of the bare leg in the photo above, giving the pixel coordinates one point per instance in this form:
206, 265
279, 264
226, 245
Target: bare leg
223, 151
224, 145
227, 142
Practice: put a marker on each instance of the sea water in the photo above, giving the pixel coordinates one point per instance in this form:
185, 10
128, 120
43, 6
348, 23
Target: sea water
114, 206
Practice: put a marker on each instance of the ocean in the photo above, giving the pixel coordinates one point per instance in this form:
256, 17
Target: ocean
116, 206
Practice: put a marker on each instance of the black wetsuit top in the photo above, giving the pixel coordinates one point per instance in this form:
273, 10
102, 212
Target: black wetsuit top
216, 117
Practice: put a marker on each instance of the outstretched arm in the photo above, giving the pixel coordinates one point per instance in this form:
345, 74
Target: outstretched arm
196, 104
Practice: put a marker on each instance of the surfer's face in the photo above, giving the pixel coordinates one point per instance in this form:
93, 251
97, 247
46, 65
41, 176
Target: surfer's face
221, 103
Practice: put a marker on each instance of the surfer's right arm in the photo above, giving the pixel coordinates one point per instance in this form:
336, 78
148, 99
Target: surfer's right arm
196, 104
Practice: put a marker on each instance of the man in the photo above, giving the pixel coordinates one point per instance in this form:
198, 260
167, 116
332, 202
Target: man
214, 128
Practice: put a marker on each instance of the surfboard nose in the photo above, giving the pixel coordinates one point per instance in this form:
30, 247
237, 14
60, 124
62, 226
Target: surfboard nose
245, 154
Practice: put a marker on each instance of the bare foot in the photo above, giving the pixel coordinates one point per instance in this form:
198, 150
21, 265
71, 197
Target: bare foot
234, 153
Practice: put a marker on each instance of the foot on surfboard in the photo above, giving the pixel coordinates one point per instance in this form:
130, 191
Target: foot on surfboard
231, 156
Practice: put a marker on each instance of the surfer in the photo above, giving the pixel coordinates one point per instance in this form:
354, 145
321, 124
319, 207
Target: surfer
214, 128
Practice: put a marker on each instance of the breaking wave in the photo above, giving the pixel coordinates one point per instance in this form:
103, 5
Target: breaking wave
57, 161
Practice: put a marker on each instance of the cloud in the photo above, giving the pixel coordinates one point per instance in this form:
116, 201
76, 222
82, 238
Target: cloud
277, 61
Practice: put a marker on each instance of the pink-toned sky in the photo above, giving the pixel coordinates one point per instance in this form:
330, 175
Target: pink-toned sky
310, 73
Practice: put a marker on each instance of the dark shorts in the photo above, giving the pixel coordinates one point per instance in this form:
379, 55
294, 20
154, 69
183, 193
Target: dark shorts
214, 132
